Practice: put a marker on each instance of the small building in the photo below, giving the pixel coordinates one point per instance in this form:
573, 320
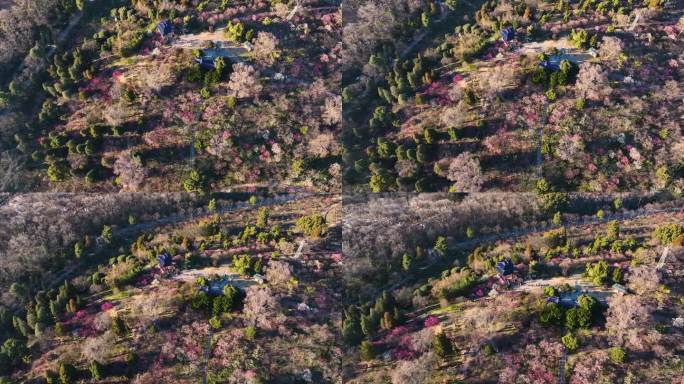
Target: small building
164, 28
205, 62
164, 259
259, 278
505, 267
507, 34
548, 64
215, 287
621, 289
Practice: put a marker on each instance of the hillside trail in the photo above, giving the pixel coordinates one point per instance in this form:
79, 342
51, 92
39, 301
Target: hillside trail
100, 243
515, 233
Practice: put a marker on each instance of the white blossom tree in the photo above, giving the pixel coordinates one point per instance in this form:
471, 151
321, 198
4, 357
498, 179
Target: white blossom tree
592, 82
465, 172
332, 111
244, 81
265, 49
262, 308
278, 272
130, 171
610, 49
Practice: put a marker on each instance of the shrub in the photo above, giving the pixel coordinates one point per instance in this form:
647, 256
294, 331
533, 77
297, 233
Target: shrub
119, 327
367, 350
195, 183
209, 227
57, 171
587, 302
123, 273
227, 302
470, 232
555, 238
570, 342
262, 217
59, 329
95, 370
461, 286
597, 272
313, 225
243, 264
66, 373
441, 345
201, 301
50, 377
550, 291
215, 322
550, 314
406, 262
552, 201
617, 355
250, 333
106, 233
666, 233
577, 318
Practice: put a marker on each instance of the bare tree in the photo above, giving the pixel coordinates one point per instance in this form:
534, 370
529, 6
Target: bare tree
18, 24
116, 114
417, 371
498, 80
644, 280
11, 168
149, 307
278, 272
99, 348
323, 144
406, 168
102, 321
455, 116
153, 79
589, 368
281, 10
